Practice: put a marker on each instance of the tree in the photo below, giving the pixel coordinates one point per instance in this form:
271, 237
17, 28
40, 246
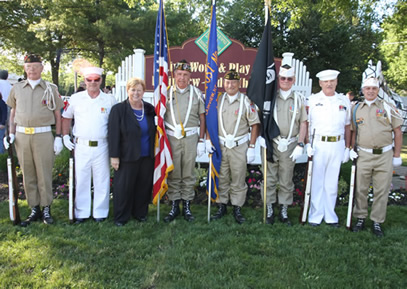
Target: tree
394, 48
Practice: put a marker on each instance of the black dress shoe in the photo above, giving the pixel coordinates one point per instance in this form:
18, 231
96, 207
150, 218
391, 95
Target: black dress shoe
377, 229
34, 216
333, 225
119, 224
141, 219
99, 220
80, 220
359, 226
313, 224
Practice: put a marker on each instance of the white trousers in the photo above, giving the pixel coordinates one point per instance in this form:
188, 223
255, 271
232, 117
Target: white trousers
92, 162
327, 162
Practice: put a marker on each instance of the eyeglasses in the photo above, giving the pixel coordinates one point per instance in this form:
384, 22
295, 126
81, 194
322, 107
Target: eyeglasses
282, 78
92, 79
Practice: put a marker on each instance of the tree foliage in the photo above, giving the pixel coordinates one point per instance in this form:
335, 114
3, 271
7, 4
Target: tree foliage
394, 48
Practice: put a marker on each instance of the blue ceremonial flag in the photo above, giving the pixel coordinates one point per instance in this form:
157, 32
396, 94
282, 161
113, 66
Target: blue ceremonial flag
262, 89
211, 103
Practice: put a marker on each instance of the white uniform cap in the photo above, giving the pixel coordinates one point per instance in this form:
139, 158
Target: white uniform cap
286, 68
371, 81
328, 74
91, 70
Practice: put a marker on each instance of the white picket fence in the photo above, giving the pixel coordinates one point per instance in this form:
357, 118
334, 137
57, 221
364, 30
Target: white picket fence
134, 66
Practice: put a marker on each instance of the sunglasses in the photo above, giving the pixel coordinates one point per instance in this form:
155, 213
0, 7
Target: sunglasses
282, 78
92, 79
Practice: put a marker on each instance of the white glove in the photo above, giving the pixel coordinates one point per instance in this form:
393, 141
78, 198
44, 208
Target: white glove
296, 153
67, 142
353, 155
210, 149
262, 142
345, 158
58, 146
200, 149
156, 120
6, 143
250, 155
309, 150
397, 161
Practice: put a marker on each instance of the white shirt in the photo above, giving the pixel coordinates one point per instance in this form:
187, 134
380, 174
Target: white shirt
329, 115
5, 88
91, 114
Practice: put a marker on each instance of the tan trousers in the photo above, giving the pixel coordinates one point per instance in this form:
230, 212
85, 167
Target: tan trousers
280, 172
379, 170
181, 180
35, 153
232, 175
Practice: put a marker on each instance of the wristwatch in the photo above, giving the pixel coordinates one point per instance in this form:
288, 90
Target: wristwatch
252, 146
301, 144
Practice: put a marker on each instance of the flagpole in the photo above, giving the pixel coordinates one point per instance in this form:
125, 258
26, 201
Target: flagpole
264, 184
266, 10
210, 188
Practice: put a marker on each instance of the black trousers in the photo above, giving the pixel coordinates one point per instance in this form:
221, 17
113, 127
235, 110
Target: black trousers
133, 185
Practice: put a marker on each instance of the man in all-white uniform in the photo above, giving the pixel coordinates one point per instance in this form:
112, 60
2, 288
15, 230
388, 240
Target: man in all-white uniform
90, 109
329, 117
236, 115
291, 118
185, 127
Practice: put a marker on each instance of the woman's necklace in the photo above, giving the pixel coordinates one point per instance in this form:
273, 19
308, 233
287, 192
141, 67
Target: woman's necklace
140, 117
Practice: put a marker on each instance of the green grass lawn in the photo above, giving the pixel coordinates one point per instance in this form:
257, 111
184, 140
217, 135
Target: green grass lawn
221, 254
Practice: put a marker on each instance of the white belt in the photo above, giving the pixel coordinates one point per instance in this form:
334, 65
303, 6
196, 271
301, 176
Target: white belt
377, 151
290, 141
33, 130
188, 131
237, 142
91, 143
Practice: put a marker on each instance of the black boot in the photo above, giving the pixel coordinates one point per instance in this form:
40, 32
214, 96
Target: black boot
238, 215
284, 215
220, 213
377, 229
359, 226
186, 212
270, 214
46, 215
34, 216
174, 211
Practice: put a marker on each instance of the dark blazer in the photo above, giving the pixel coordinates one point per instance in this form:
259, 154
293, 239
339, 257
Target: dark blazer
124, 132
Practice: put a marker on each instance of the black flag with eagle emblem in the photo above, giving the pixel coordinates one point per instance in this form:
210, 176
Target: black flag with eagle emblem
262, 89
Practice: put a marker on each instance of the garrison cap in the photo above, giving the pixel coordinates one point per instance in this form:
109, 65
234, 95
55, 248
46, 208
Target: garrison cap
232, 75
183, 65
31, 58
371, 81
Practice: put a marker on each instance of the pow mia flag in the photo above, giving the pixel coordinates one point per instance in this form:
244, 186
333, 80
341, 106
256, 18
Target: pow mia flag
262, 89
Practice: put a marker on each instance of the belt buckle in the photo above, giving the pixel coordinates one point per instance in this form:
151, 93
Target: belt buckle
93, 143
29, 130
377, 151
331, 138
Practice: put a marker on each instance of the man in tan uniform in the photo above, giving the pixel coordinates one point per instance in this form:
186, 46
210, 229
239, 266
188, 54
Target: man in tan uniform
185, 126
35, 106
291, 118
374, 121
237, 114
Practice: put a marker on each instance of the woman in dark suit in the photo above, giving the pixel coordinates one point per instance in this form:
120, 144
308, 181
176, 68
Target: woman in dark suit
131, 148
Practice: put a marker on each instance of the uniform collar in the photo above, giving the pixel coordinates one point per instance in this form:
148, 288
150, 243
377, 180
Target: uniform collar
285, 94
233, 97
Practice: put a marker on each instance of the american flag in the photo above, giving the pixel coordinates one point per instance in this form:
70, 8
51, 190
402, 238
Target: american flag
163, 156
